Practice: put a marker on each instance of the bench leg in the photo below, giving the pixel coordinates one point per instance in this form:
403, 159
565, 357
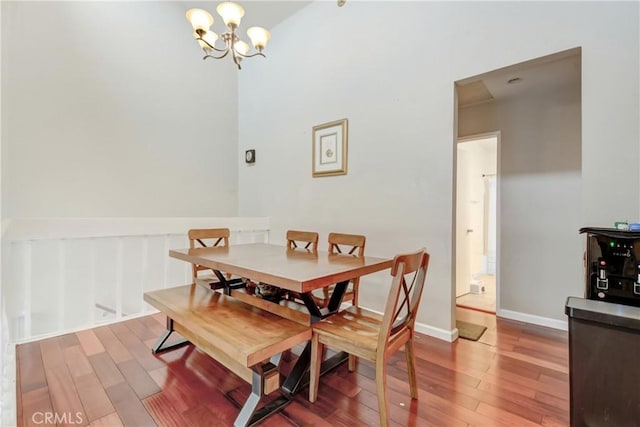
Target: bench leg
158, 346
261, 385
246, 413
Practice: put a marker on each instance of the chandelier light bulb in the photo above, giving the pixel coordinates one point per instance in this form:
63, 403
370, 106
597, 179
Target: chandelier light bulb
200, 19
259, 37
231, 13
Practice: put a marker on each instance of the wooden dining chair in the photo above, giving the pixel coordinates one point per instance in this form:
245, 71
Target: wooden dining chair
348, 244
373, 337
204, 238
302, 239
297, 240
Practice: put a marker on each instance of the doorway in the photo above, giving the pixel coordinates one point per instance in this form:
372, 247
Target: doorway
476, 225
536, 105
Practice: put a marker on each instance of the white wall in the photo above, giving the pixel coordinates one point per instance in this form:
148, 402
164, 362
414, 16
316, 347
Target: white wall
109, 111
395, 85
6, 348
540, 181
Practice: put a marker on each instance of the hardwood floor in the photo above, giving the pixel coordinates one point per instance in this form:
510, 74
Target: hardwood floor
515, 375
484, 301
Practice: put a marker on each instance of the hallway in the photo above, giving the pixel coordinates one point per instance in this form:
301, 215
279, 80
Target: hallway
483, 301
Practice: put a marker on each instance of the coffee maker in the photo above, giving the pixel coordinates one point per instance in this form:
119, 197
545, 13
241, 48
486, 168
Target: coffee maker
612, 265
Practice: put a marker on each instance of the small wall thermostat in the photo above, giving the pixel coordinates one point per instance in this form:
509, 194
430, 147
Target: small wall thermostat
250, 156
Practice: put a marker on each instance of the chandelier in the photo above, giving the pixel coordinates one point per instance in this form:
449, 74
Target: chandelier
231, 14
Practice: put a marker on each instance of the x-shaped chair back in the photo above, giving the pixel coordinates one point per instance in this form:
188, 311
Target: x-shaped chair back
352, 244
348, 244
409, 272
365, 334
207, 237
302, 239
203, 236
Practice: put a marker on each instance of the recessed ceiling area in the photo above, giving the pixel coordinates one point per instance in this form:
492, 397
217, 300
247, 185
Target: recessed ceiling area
473, 93
542, 73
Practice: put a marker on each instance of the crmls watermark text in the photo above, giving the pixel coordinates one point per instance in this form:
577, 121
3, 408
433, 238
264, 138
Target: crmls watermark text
57, 418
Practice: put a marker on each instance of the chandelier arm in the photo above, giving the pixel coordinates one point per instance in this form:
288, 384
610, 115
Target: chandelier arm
209, 45
252, 55
226, 52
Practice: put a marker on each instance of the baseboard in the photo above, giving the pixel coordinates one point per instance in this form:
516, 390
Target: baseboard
533, 319
441, 334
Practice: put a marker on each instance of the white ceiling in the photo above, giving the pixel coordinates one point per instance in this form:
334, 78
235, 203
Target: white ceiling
546, 72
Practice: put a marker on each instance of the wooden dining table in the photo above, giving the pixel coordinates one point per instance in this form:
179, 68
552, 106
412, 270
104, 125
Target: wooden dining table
298, 270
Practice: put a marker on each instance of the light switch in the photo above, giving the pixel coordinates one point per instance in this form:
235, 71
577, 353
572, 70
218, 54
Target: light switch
250, 156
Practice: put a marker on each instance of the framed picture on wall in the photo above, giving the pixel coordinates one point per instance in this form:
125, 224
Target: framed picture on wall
329, 151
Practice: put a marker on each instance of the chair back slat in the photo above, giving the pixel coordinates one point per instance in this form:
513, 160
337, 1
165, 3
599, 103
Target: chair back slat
308, 238
409, 273
348, 244
201, 235
339, 243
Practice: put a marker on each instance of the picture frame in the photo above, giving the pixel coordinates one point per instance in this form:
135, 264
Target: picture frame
329, 148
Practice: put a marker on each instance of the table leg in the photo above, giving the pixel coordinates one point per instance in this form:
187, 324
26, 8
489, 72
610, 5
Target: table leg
299, 375
336, 298
228, 284
335, 301
298, 378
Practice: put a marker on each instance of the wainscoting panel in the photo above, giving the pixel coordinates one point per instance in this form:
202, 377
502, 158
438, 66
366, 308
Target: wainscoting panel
93, 275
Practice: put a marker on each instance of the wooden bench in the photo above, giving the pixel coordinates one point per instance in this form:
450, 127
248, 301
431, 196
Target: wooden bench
245, 339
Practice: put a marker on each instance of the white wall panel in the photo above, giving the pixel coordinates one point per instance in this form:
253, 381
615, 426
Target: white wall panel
78, 292
396, 87
57, 284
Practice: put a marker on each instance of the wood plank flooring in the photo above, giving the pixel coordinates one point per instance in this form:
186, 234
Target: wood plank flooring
516, 374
